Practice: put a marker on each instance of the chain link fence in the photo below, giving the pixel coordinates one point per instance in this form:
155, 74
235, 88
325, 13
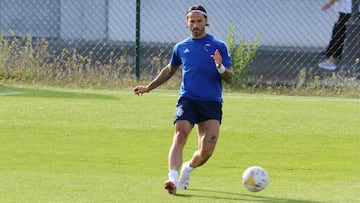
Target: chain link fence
293, 33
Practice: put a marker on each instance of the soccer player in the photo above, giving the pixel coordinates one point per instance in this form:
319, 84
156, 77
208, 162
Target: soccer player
206, 61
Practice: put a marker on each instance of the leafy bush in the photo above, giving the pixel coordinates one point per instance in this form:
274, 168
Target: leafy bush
242, 55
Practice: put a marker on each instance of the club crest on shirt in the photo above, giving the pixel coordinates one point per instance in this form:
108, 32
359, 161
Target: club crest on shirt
206, 47
186, 50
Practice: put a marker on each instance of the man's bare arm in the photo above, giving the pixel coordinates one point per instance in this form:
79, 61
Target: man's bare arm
165, 74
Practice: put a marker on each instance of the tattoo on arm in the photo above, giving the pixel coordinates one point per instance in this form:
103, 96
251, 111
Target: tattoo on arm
227, 76
165, 74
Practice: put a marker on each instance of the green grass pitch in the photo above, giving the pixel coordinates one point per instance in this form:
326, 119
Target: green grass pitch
66, 145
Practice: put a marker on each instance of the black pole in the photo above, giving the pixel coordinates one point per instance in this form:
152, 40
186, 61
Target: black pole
137, 46
107, 19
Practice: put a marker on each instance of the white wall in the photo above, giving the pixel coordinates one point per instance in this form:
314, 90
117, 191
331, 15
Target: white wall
122, 19
25, 17
280, 22
83, 19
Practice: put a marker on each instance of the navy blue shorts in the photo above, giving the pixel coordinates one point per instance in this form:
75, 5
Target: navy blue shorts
196, 111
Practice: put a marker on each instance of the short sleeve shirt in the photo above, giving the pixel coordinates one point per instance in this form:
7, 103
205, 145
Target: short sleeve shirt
200, 78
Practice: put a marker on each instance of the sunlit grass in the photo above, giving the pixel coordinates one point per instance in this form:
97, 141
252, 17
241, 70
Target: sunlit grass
71, 145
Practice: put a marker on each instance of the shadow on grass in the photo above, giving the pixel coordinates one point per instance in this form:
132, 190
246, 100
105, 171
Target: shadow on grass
49, 93
221, 195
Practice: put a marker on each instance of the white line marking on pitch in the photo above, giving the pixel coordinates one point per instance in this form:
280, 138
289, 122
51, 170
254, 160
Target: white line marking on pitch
10, 93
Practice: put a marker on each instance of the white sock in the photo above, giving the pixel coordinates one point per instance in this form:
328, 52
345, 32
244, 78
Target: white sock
173, 175
187, 167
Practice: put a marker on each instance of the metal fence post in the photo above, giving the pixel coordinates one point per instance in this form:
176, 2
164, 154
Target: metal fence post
107, 7
137, 46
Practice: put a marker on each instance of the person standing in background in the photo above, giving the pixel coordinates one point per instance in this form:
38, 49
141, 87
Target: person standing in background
336, 44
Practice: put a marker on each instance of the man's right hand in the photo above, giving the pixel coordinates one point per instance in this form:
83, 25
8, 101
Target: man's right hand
139, 90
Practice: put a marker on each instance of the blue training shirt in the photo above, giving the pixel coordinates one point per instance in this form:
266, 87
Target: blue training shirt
200, 78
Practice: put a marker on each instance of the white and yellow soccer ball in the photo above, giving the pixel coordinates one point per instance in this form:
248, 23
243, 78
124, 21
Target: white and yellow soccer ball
255, 178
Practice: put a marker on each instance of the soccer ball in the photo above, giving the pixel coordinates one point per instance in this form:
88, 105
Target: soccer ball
255, 178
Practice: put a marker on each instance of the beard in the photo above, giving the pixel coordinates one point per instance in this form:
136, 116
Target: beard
197, 32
